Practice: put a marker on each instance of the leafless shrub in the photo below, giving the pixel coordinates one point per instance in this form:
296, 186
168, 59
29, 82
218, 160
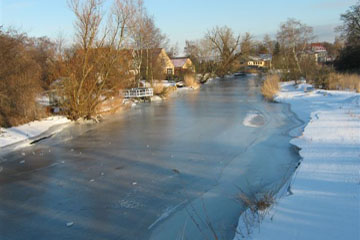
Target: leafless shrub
110, 106
256, 203
20, 76
270, 87
258, 206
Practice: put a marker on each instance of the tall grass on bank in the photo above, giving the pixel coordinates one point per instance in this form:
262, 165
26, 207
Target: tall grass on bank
339, 81
162, 91
158, 88
270, 87
190, 80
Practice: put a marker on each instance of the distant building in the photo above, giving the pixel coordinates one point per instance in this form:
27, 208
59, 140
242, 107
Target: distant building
159, 64
182, 65
320, 52
262, 61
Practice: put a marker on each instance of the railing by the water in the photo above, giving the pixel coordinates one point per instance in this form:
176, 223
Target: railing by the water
138, 92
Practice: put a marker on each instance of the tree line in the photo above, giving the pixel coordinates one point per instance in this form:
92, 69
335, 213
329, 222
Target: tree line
95, 66
222, 51
84, 74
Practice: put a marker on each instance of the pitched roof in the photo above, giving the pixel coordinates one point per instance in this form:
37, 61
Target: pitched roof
179, 62
318, 47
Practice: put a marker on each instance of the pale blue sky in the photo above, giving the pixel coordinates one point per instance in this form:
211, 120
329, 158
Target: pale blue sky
187, 19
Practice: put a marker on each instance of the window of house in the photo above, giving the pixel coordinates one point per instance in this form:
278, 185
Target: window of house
169, 71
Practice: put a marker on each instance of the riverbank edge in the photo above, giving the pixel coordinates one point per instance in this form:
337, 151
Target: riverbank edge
53, 128
44, 134
298, 141
293, 132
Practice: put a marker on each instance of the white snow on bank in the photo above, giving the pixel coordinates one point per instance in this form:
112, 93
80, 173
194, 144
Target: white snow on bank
17, 134
325, 203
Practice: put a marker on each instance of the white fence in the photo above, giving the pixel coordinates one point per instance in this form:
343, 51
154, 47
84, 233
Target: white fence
138, 92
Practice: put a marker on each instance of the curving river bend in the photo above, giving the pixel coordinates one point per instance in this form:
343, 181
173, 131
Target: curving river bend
161, 171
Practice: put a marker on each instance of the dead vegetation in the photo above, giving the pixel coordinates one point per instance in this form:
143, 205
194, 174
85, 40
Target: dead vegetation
339, 81
270, 87
158, 89
190, 81
258, 205
22, 76
110, 106
162, 91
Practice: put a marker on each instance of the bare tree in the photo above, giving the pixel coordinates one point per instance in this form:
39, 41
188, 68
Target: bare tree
89, 70
173, 51
226, 45
144, 36
294, 37
202, 55
268, 43
246, 45
350, 28
349, 57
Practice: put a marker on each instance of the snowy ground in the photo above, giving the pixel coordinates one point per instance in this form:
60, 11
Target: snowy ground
324, 200
10, 136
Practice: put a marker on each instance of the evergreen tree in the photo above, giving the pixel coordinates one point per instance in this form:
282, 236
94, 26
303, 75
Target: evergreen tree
276, 50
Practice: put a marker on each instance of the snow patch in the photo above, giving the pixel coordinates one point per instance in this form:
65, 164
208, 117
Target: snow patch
254, 119
13, 135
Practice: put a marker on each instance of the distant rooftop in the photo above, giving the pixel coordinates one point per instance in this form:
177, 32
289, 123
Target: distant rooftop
179, 61
318, 47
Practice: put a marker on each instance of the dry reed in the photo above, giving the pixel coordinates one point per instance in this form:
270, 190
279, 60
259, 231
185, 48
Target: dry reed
270, 87
339, 81
158, 88
190, 81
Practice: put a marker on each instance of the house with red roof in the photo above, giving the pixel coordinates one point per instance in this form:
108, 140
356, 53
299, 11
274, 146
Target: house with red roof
320, 52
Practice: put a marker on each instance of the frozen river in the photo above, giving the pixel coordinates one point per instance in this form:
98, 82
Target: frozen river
160, 171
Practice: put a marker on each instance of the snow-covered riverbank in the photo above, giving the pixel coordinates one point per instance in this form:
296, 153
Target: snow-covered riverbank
30, 131
21, 136
324, 200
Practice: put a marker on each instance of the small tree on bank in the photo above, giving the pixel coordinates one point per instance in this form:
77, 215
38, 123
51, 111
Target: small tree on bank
90, 71
226, 46
293, 37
